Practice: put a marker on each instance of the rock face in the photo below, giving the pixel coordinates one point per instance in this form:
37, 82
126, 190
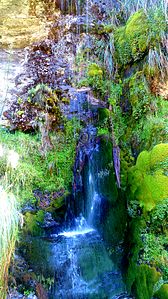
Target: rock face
11, 65
18, 27
19, 32
53, 40
51, 63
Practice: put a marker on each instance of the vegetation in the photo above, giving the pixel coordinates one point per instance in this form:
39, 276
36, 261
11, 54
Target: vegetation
126, 69
133, 40
23, 168
148, 178
9, 217
36, 171
137, 120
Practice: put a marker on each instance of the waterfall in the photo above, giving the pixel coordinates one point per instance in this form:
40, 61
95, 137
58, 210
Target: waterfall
77, 258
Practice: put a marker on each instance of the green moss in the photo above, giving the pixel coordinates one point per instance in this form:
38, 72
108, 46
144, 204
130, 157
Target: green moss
154, 188
145, 280
51, 172
103, 114
143, 161
141, 31
140, 278
122, 47
131, 40
95, 79
103, 132
159, 154
31, 223
103, 118
94, 70
163, 292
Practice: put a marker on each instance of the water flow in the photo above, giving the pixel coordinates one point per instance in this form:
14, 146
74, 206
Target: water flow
93, 199
77, 259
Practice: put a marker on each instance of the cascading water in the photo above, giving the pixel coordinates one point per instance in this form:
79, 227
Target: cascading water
76, 261
76, 258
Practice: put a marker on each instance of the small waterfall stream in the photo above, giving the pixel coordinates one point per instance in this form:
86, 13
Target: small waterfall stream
76, 259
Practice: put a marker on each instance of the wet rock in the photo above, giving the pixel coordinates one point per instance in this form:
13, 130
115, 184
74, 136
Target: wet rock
21, 277
14, 294
29, 208
85, 147
17, 33
49, 222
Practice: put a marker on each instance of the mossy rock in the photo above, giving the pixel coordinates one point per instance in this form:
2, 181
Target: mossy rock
131, 40
136, 31
140, 278
103, 114
147, 179
143, 161
154, 188
163, 292
145, 279
141, 32
32, 221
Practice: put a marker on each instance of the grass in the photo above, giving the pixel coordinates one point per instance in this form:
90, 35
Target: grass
35, 171
9, 218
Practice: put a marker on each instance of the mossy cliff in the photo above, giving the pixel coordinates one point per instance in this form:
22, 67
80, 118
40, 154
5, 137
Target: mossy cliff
144, 133
129, 74
140, 33
144, 140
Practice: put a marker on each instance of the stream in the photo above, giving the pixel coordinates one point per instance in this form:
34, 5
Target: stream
76, 260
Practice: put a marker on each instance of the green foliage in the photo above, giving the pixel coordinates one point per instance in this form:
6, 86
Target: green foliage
103, 120
159, 218
157, 24
140, 278
154, 251
50, 172
146, 122
118, 121
133, 40
140, 97
94, 71
147, 179
9, 218
31, 223
95, 79
162, 293
155, 239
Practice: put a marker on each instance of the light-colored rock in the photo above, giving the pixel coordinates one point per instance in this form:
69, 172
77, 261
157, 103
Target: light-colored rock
18, 32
